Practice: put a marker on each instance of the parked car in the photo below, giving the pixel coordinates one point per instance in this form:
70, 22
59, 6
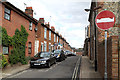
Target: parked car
65, 54
60, 56
69, 53
43, 59
73, 54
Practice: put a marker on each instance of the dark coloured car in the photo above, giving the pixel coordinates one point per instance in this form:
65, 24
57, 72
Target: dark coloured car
69, 53
65, 54
43, 59
60, 56
73, 54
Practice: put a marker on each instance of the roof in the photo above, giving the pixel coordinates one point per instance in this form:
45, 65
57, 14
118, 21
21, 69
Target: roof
20, 12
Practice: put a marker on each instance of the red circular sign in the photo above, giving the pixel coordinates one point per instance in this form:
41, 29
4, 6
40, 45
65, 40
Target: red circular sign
105, 19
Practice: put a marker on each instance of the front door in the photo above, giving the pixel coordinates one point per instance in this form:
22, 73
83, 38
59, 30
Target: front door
36, 46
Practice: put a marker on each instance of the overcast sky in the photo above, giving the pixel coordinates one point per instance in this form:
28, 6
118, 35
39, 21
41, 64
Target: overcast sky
67, 16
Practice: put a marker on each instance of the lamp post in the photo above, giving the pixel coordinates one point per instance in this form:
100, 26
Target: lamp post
94, 11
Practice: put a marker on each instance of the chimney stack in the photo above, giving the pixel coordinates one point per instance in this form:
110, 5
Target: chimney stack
29, 11
48, 25
52, 28
41, 20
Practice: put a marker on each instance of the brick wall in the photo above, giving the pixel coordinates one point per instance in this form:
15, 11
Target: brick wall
112, 57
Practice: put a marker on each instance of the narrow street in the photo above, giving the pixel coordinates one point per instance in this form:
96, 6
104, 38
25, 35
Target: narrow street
64, 69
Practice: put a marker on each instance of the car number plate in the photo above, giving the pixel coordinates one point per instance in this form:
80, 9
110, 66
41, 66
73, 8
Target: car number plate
36, 64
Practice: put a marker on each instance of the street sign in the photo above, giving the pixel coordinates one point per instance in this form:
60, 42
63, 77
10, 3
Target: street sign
105, 19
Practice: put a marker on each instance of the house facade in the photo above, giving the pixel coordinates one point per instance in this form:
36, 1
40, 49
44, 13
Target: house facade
12, 19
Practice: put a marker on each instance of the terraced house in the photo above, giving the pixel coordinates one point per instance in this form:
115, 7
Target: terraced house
47, 38
12, 19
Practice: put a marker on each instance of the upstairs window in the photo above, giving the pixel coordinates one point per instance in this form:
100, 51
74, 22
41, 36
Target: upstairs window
45, 33
30, 26
7, 13
49, 35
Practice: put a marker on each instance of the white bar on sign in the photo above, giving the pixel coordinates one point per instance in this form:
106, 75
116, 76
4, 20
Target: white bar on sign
105, 20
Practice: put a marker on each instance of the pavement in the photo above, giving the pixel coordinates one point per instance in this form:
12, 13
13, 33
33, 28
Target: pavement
13, 70
87, 70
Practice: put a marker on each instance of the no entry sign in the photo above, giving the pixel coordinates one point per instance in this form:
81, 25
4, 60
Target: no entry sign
105, 19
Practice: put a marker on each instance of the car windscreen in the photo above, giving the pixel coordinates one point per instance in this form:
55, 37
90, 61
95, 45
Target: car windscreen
57, 51
37, 55
45, 54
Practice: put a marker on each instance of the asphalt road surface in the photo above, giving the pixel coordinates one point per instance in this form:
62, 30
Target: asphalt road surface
63, 69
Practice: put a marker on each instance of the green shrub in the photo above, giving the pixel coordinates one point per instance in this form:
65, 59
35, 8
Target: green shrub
4, 61
18, 42
14, 57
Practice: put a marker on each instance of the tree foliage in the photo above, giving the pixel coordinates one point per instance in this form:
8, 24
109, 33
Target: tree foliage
6, 40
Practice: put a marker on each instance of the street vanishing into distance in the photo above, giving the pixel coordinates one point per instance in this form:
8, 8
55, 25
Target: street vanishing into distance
55, 39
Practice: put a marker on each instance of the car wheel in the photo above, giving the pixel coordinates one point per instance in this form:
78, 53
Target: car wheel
48, 65
55, 61
61, 59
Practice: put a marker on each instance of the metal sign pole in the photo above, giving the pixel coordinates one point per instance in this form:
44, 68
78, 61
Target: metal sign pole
105, 55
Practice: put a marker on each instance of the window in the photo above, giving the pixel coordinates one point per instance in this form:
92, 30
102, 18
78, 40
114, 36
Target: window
5, 50
41, 47
57, 38
49, 35
30, 26
45, 33
45, 46
7, 14
54, 37
29, 47
49, 46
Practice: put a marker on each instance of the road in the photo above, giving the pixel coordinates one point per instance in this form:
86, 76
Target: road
63, 69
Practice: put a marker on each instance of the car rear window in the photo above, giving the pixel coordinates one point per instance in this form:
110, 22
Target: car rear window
45, 54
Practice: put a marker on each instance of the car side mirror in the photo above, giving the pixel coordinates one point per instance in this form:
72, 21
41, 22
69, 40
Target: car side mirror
52, 54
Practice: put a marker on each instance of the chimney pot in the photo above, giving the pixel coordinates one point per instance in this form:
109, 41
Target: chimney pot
28, 7
52, 28
41, 20
29, 11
